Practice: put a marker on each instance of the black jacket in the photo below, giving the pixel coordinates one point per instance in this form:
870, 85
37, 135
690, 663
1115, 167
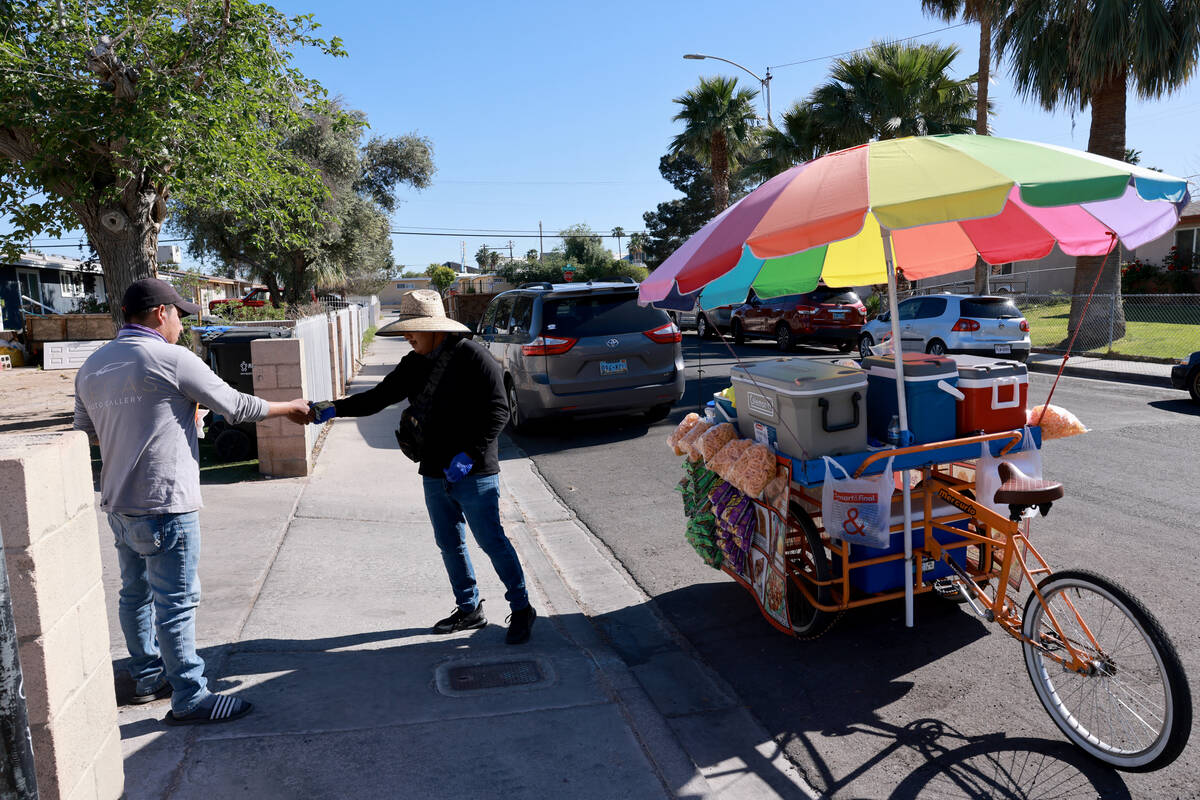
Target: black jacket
468, 411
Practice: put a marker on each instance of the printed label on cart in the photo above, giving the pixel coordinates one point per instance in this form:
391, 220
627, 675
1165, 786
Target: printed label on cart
764, 434
761, 405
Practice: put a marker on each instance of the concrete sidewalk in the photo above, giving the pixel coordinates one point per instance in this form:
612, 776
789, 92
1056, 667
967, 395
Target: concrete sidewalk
318, 597
1145, 373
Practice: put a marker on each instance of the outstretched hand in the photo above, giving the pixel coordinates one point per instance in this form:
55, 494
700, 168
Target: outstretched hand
298, 411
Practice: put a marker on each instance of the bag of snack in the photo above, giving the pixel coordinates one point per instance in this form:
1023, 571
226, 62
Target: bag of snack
754, 470
723, 461
688, 442
1058, 423
714, 439
684, 426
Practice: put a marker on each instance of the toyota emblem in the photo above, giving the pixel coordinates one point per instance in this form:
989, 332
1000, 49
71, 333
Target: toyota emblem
1001, 324
613, 342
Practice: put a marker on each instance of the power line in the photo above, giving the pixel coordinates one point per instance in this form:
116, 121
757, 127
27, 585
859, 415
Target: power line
504, 235
864, 49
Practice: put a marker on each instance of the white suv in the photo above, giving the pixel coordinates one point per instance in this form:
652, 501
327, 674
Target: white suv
954, 323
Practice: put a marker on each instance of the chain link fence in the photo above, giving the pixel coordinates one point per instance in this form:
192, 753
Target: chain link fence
1146, 332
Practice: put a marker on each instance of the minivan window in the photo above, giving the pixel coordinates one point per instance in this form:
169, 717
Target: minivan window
499, 324
826, 295
989, 308
598, 315
521, 318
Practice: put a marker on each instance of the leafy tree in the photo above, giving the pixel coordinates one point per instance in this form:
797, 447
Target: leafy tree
441, 277
672, 222
717, 119
582, 246
347, 241
107, 111
531, 255
618, 232
889, 91
1067, 53
783, 147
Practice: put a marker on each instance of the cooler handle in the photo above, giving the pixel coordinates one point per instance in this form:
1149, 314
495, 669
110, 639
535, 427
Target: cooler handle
950, 390
1016, 398
845, 426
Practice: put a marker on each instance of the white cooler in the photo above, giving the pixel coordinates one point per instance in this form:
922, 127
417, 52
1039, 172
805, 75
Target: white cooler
804, 409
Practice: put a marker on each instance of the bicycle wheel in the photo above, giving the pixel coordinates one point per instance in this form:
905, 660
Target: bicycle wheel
806, 558
1133, 709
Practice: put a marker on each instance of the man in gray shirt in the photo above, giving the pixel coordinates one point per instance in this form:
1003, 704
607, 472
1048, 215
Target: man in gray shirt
138, 396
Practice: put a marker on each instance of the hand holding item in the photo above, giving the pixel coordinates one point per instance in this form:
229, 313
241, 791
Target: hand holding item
297, 410
321, 412
460, 465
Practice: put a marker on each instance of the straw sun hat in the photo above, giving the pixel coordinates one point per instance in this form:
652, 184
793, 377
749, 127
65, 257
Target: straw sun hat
422, 310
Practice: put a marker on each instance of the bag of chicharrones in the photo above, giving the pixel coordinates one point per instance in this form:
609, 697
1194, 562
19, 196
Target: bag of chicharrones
684, 426
688, 443
714, 439
857, 510
1056, 423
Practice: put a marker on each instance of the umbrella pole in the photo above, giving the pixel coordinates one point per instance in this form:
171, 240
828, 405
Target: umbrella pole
905, 437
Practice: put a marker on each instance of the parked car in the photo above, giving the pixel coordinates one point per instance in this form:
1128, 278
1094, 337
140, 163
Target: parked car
255, 298
822, 316
954, 323
572, 349
1186, 375
707, 324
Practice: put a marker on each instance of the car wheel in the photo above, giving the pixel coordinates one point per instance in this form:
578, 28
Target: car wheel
703, 329
658, 412
1021, 355
1194, 385
739, 335
783, 337
865, 342
516, 417
936, 347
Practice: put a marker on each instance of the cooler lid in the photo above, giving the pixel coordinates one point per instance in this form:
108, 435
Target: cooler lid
980, 368
797, 377
917, 367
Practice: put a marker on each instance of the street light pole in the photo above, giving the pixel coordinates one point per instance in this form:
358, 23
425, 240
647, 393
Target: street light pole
764, 82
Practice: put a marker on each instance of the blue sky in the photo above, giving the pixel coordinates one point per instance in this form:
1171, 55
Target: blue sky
559, 112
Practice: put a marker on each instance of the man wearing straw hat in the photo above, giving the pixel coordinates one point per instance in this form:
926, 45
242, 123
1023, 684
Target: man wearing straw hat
459, 407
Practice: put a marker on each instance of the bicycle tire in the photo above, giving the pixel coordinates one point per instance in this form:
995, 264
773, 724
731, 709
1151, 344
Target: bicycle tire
807, 620
1134, 711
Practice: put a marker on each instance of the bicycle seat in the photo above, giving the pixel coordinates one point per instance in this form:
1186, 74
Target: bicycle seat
1018, 489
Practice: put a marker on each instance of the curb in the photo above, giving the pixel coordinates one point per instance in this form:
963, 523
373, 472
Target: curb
1097, 373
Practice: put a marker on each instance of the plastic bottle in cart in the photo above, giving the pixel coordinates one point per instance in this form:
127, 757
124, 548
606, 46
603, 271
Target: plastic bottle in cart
893, 431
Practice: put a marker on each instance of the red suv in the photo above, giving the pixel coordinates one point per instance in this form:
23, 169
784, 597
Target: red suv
823, 316
255, 298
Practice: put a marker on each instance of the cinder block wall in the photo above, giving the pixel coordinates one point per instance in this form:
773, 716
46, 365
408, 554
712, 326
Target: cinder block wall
52, 552
284, 448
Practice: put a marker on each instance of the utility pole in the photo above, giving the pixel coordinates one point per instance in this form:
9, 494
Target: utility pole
17, 776
510, 255
539, 241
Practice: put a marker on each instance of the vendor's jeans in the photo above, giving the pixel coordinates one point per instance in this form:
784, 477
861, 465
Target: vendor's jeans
475, 500
160, 588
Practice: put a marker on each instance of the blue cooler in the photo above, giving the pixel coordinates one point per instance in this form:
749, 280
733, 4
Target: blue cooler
932, 409
889, 576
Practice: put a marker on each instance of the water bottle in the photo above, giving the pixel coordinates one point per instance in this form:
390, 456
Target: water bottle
893, 431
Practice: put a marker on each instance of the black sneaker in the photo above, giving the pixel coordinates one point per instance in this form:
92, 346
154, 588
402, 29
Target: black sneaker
135, 699
462, 620
520, 625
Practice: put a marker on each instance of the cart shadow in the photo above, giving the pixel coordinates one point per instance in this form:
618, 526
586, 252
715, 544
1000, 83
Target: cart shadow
1181, 406
830, 693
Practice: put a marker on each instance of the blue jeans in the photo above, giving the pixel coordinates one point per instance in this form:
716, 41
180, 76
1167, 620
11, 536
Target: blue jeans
475, 500
160, 589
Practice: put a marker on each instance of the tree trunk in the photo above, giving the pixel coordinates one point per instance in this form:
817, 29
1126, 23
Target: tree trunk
1106, 138
720, 172
128, 251
981, 120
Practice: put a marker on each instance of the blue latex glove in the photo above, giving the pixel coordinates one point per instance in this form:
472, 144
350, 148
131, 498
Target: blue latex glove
460, 465
324, 411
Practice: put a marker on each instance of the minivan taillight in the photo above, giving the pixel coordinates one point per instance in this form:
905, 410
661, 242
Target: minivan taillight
965, 325
548, 346
667, 334
1024, 326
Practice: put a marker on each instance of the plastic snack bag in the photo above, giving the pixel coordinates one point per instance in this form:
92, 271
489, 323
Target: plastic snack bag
714, 439
684, 426
857, 510
688, 443
754, 470
1058, 423
724, 460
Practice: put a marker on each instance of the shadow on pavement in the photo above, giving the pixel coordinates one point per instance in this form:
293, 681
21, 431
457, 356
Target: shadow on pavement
1181, 406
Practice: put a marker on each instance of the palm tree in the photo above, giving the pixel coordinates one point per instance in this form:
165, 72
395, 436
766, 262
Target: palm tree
1067, 53
637, 246
790, 144
618, 232
717, 119
889, 91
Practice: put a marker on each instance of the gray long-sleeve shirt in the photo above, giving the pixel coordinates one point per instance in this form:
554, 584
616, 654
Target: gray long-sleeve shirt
138, 395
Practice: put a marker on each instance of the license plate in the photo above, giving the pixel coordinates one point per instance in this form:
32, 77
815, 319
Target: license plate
839, 314
1003, 348
614, 367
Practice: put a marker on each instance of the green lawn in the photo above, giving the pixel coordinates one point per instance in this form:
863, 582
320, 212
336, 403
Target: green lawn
1158, 331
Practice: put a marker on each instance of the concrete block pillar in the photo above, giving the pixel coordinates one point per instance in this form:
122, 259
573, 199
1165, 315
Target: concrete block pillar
284, 448
52, 553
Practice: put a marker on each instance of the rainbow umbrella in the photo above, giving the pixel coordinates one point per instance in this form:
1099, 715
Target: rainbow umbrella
926, 206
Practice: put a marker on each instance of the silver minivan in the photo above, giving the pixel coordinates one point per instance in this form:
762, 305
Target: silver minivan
572, 349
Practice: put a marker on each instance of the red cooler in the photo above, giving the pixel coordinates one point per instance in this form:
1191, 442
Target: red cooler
995, 395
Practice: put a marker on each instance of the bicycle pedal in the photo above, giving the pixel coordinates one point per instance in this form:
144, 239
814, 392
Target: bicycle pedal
946, 587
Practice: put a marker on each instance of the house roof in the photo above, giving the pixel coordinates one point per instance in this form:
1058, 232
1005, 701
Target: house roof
1190, 214
42, 261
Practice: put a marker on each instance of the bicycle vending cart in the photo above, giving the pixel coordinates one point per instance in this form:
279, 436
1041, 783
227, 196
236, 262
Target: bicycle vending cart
1100, 663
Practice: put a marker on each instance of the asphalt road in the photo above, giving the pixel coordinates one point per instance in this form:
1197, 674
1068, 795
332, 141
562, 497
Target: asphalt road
945, 710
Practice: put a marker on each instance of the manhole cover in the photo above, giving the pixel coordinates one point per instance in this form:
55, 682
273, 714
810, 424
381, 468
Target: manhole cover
494, 676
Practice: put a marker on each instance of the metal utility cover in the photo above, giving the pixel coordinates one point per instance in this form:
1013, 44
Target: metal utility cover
498, 675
